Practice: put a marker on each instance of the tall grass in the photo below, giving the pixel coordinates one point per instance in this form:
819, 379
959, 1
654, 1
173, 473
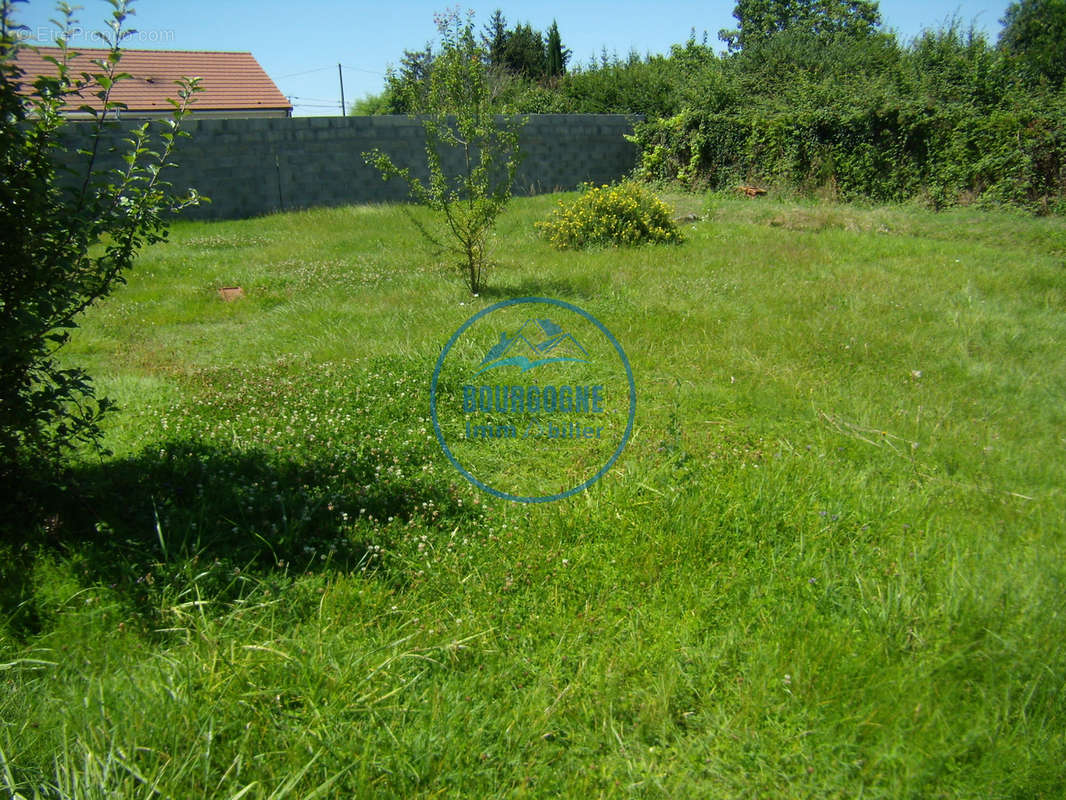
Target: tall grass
828, 564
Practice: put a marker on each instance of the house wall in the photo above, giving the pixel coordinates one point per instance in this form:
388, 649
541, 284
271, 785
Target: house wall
255, 166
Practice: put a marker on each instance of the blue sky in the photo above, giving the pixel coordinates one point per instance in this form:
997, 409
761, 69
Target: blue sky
300, 44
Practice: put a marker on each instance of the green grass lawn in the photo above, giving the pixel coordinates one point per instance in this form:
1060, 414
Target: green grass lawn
830, 562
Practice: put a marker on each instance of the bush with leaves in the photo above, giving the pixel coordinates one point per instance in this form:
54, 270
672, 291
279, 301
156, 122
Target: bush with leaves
69, 236
760, 20
623, 215
461, 129
1034, 33
948, 119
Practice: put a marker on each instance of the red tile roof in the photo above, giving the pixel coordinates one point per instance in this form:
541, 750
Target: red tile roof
230, 81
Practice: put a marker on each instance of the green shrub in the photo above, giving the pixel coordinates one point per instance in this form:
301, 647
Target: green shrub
622, 215
69, 235
945, 120
947, 156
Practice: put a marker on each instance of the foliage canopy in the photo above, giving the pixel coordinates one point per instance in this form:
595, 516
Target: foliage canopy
1034, 31
471, 154
814, 96
759, 20
70, 234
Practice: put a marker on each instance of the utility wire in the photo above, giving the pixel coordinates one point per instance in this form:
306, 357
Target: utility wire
323, 69
305, 72
360, 69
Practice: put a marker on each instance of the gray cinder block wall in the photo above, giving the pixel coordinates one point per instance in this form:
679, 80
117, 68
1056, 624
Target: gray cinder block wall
255, 166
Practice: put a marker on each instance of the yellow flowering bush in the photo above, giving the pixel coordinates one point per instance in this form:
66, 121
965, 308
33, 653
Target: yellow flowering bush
622, 215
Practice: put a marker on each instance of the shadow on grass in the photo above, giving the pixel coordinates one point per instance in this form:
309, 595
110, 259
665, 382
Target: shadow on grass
546, 287
182, 513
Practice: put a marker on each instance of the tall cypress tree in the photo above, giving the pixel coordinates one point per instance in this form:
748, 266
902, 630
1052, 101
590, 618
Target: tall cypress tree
557, 54
495, 37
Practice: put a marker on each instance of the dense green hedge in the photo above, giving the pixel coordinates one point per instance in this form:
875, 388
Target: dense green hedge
946, 156
947, 118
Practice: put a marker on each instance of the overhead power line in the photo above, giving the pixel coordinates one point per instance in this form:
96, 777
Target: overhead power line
323, 69
360, 69
305, 72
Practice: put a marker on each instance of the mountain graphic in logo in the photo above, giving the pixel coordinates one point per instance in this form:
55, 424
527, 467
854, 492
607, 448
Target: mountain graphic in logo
536, 343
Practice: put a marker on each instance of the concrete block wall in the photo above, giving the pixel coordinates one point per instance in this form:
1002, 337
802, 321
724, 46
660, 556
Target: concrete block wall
256, 166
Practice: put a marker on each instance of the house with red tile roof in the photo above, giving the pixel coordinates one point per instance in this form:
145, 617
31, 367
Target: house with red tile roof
234, 85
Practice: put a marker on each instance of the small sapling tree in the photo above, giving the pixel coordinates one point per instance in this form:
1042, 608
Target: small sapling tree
458, 120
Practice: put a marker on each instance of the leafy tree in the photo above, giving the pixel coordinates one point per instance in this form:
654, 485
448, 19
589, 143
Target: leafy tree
557, 54
699, 77
637, 86
522, 50
67, 239
796, 68
405, 90
371, 104
524, 53
953, 66
1034, 31
458, 120
759, 20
